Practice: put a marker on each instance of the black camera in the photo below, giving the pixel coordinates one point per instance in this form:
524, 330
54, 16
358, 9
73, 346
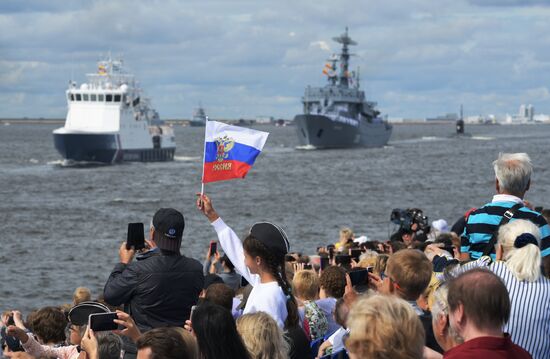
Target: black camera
405, 218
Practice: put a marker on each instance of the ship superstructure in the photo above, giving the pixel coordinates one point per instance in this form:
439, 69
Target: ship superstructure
109, 120
199, 117
338, 115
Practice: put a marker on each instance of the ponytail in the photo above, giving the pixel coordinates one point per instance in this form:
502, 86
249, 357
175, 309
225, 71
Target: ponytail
275, 264
524, 262
292, 319
520, 241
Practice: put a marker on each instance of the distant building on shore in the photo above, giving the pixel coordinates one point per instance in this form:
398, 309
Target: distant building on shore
265, 119
449, 117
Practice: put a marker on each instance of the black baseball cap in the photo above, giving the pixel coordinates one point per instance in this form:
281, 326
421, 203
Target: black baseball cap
170, 223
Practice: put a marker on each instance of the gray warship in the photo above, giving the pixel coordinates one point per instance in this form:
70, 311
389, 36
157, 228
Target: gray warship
338, 115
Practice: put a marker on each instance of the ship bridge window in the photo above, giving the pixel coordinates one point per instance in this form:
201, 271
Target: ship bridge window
100, 98
77, 97
109, 98
93, 97
117, 98
71, 97
85, 97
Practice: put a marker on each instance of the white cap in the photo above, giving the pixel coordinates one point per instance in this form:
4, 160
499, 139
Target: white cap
440, 225
361, 240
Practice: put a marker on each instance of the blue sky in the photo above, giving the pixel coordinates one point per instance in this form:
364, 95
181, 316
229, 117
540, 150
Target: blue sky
418, 58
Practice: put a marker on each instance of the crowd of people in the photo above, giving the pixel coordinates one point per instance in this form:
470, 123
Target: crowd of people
478, 289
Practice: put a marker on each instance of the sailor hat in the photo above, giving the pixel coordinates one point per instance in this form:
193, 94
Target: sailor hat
272, 236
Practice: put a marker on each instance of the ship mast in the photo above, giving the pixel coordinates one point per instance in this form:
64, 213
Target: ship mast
345, 40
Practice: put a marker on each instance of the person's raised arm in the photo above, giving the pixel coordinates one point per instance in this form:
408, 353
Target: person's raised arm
230, 242
122, 281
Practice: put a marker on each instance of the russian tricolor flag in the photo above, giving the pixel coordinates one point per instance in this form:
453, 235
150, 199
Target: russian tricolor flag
230, 151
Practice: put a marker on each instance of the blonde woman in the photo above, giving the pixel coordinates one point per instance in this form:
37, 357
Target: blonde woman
345, 241
384, 327
263, 338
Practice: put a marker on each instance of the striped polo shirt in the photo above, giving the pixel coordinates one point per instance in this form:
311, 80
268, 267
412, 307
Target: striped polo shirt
485, 220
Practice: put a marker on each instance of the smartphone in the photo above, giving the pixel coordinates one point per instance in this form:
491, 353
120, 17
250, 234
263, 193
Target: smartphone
355, 253
358, 277
136, 236
191, 314
213, 247
100, 322
308, 266
324, 262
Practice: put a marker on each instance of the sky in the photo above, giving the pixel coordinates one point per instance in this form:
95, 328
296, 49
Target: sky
243, 59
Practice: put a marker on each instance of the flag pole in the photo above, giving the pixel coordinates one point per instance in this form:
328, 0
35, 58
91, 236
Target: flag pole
204, 157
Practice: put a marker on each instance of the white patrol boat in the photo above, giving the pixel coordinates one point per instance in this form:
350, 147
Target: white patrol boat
109, 120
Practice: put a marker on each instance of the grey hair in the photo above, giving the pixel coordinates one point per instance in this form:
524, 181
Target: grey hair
523, 262
109, 345
440, 307
513, 172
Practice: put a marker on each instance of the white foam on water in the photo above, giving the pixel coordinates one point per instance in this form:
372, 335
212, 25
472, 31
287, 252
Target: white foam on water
482, 138
186, 158
55, 163
421, 139
34, 161
306, 147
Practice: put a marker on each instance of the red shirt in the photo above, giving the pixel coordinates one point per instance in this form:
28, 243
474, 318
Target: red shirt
488, 348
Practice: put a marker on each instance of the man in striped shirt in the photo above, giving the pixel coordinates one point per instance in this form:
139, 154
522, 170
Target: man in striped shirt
512, 179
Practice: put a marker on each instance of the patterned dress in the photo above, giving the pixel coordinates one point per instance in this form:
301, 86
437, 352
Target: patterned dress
315, 320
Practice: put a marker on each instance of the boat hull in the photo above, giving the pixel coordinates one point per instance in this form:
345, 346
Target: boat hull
322, 132
197, 124
105, 148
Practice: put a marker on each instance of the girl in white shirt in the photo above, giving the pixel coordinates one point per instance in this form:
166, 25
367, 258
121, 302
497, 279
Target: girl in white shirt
260, 259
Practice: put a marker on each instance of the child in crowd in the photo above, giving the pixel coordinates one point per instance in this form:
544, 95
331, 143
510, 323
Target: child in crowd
260, 260
81, 294
306, 290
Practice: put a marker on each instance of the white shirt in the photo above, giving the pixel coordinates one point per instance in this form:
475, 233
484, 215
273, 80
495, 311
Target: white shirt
264, 297
506, 198
337, 339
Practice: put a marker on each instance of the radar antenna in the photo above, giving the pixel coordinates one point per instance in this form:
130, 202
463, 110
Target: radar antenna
345, 40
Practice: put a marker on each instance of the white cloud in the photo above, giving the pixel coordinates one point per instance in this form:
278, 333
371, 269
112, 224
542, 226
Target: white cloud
323, 45
243, 58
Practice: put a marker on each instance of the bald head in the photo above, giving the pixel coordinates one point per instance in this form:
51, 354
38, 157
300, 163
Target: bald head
483, 296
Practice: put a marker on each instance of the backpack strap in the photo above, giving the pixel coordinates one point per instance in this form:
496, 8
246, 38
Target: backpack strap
506, 217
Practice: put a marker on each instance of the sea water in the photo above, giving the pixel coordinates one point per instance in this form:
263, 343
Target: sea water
61, 227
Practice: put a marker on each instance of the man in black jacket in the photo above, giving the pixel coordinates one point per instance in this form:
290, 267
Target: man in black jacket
159, 289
